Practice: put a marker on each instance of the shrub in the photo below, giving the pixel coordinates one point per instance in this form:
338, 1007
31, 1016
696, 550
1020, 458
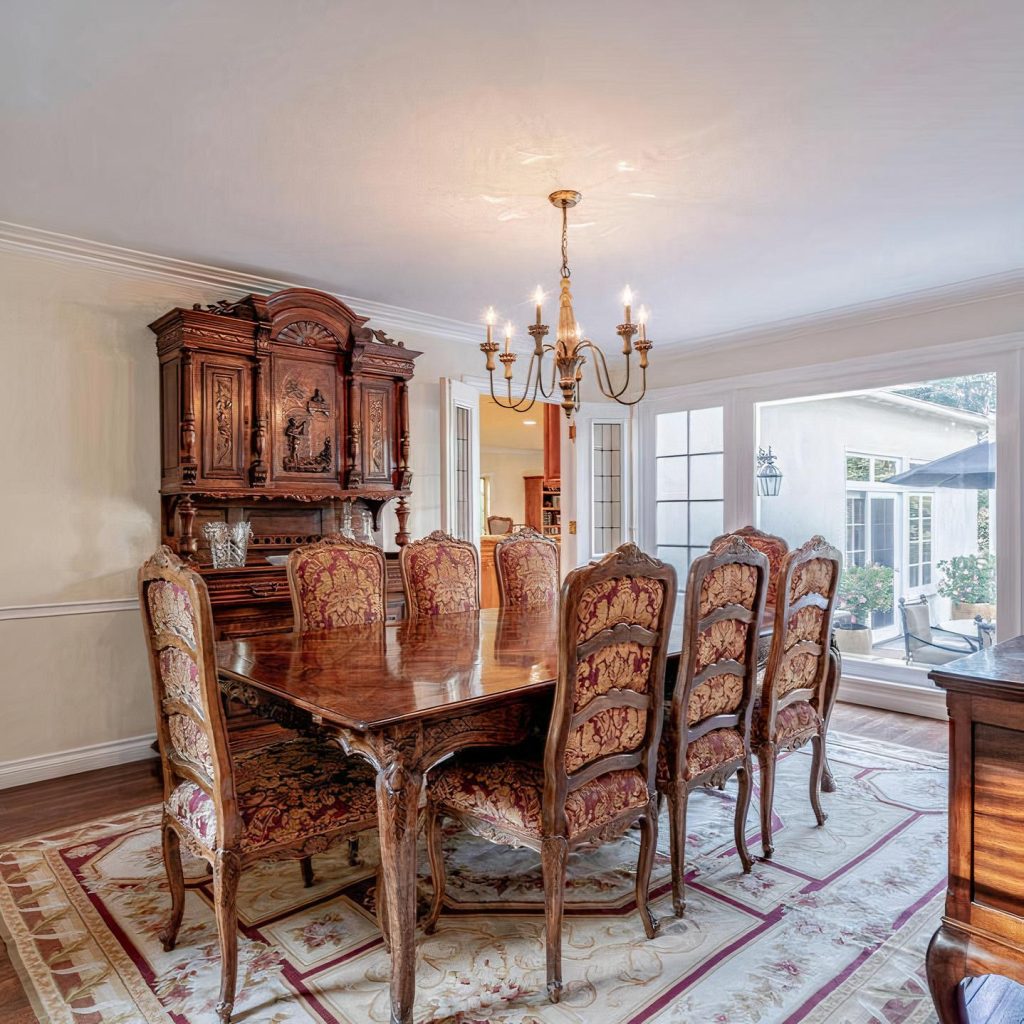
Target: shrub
968, 579
864, 589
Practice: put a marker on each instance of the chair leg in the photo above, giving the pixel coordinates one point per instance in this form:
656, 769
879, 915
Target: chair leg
554, 860
353, 852
644, 864
678, 797
743, 774
766, 761
226, 869
432, 832
307, 871
176, 885
817, 768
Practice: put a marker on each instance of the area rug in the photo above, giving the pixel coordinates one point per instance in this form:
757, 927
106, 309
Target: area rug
834, 929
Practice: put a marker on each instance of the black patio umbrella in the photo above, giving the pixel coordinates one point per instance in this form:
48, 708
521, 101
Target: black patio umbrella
971, 469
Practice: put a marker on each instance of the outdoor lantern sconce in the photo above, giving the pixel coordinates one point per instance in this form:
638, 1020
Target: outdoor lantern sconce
769, 476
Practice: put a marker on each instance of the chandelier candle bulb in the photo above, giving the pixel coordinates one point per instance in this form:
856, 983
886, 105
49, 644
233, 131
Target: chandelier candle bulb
627, 301
538, 297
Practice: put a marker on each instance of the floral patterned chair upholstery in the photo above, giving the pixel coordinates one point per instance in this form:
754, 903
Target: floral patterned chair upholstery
288, 800
527, 564
596, 776
440, 575
337, 582
795, 700
769, 544
708, 733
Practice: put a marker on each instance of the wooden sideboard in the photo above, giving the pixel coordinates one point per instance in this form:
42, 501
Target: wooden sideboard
982, 930
285, 410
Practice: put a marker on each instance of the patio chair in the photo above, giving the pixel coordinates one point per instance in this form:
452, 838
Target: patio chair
926, 643
986, 632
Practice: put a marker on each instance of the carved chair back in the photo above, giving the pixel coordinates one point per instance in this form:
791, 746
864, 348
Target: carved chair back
527, 565
191, 730
769, 544
337, 582
799, 658
440, 575
725, 598
499, 524
615, 619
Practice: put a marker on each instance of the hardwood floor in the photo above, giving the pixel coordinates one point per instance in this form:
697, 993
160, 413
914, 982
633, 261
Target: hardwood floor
48, 806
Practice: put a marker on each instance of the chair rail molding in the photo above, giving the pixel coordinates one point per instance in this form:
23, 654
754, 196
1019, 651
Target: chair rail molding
39, 768
58, 608
20, 238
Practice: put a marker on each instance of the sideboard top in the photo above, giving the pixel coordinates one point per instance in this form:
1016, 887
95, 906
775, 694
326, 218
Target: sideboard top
996, 671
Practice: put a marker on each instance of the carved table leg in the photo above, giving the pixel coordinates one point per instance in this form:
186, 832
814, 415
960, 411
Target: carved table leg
399, 783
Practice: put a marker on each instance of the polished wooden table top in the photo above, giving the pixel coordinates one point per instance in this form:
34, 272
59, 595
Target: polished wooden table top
368, 676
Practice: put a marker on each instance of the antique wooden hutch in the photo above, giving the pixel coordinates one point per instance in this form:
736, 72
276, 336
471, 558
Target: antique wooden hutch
278, 409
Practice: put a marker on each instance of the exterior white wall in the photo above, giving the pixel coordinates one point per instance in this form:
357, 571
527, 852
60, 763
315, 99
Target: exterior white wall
811, 439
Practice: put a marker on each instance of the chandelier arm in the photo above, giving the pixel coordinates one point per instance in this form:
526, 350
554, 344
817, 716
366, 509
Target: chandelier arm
602, 362
521, 404
550, 390
513, 406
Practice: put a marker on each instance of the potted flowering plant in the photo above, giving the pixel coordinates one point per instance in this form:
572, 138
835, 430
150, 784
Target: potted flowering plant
969, 581
862, 590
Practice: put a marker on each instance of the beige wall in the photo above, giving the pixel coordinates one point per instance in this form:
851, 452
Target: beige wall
506, 468
79, 474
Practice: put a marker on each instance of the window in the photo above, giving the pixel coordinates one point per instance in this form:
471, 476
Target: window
689, 485
919, 538
856, 546
870, 468
606, 456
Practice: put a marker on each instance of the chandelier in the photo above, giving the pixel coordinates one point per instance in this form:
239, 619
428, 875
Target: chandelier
570, 345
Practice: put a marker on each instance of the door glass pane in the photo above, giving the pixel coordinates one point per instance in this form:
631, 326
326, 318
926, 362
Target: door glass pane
689, 482
463, 491
606, 483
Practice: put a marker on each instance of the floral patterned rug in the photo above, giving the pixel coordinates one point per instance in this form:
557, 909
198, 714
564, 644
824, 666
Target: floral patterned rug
834, 930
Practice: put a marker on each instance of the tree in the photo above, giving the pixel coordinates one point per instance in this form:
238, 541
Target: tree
975, 392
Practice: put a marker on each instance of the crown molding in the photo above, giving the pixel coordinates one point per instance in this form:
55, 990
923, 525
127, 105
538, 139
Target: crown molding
19, 238
906, 304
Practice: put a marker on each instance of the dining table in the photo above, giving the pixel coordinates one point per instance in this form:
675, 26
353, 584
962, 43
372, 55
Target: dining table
405, 696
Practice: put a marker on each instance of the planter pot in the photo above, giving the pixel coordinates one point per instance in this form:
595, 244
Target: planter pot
854, 639
968, 611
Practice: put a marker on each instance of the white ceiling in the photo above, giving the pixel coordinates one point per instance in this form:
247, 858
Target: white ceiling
741, 162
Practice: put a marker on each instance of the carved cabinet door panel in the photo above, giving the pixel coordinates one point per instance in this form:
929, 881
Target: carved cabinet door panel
224, 395
378, 434
304, 420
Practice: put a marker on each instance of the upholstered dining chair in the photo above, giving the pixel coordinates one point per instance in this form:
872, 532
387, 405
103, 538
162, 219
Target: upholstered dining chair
337, 582
769, 544
287, 800
440, 575
597, 774
707, 737
497, 525
527, 564
792, 708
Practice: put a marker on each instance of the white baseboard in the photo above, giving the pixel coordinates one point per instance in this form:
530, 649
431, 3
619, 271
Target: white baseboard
924, 701
70, 762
